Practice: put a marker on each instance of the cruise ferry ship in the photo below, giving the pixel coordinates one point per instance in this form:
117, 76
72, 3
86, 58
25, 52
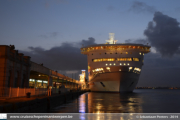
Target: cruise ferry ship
114, 67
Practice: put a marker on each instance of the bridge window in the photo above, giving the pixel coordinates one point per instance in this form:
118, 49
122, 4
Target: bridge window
135, 59
97, 60
124, 59
115, 59
103, 59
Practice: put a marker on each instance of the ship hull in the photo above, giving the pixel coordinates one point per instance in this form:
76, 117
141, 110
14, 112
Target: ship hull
114, 82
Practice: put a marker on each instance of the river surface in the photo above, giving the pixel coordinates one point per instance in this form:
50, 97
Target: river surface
140, 101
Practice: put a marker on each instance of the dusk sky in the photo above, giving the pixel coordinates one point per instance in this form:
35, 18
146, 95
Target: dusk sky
52, 32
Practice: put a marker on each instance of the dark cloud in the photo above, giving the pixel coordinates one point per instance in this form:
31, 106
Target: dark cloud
62, 58
164, 34
139, 7
160, 72
90, 41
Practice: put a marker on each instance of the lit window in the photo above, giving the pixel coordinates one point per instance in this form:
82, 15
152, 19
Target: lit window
39, 80
126, 52
130, 68
137, 69
128, 64
135, 59
106, 64
119, 69
114, 64
124, 59
139, 53
143, 53
108, 68
110, 64
120, 64
124, 63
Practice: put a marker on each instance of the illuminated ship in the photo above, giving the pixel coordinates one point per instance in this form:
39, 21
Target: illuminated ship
114, 67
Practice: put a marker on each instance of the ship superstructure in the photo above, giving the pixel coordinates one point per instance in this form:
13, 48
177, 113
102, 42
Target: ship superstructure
114, 67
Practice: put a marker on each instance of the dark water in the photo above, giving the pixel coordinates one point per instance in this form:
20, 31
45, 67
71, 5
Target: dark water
140, 101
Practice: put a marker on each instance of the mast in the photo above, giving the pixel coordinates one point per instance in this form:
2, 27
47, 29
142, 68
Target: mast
111, 39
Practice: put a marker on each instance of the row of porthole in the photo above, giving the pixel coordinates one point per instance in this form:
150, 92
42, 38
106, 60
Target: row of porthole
121, 53
115, 64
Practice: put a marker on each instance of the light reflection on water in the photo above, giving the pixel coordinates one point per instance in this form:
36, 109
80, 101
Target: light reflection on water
95, 102
141, 101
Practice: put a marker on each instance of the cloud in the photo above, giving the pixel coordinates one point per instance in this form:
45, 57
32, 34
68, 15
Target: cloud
49, 35
139, 7
90, 41
164, 34
47, 5
158, 71
66, 57
110, 8
137, 41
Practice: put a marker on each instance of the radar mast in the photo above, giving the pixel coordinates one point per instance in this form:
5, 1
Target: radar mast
111, 39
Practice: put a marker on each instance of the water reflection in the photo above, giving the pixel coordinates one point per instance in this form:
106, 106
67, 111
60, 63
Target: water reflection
95, 102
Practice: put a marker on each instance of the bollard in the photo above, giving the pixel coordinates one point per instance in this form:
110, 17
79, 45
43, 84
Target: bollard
28, 94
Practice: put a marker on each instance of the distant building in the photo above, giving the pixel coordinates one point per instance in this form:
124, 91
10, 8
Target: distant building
14, 68
82, 79
82, 76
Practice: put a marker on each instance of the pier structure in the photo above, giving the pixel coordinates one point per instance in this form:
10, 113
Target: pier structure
42, 77
18, 74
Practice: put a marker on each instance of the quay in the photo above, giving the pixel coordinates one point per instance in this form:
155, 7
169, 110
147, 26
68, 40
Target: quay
29, 87
36, 104
19, 76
